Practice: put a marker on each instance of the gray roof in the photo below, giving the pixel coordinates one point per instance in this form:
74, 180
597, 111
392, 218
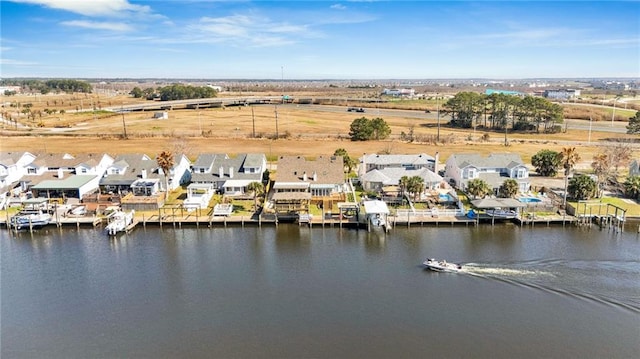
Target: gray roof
206, 159
494, 160
238, 164
66, 160
421, 158
391, 176
10, 158
293, 168
134, 164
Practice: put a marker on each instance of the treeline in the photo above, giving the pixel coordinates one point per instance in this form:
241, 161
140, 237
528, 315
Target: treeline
500, 111
174, 92
44, 87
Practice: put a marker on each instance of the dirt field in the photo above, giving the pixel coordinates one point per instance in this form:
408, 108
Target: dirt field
302, 130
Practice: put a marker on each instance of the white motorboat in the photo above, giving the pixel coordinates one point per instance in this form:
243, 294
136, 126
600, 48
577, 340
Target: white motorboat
119, 221
501, 213
441, 265
30, 219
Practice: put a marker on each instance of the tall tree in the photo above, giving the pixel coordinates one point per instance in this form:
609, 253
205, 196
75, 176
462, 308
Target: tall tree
258, 189
478, 188
570, 158
349, 162
634, 124
546, 162
415, 186
632, 187
582, 187
404, 185
360, 129
381, 129
509, 188
165, 161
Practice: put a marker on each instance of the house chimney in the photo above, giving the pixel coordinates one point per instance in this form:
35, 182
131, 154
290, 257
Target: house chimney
221, 171
143, 173
60, 173
304, 176
315, 176
230, 172
437, 160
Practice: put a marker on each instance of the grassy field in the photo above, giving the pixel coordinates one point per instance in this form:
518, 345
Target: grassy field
301, 130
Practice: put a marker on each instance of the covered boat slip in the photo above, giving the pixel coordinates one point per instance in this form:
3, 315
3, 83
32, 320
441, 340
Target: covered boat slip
496, 208
376, 213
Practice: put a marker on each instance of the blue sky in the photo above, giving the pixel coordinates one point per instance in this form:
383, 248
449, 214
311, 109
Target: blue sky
319, 39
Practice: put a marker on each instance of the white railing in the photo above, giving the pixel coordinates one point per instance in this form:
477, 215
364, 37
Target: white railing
437, 212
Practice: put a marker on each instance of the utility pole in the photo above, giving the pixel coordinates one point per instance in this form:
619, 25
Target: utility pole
438, 117
613, 116
124, 124
253, 119
277, 135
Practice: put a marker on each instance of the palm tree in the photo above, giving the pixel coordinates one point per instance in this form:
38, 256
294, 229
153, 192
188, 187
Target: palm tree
416, 186
404, 185
509, 188
349, 162
258, 189
569, 159
165, 162
478, 188
632, 187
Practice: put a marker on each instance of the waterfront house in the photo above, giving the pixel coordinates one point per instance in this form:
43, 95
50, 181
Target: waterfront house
125, 171
370, 162
12, 168
493, 169
64, 188
301, 182
376, 180
64, 175
229, 175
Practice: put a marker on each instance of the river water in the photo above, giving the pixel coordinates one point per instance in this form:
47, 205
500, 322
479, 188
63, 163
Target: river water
296, 292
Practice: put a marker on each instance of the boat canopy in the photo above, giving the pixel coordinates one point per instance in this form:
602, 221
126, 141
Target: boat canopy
375, 207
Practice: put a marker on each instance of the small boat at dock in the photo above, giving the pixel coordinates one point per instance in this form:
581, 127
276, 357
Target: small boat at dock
29, 219
119, 221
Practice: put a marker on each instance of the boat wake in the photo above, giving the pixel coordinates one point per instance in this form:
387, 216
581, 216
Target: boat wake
475, 269
571, 279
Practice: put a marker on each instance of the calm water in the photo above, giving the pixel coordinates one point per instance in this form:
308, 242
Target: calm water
328, 293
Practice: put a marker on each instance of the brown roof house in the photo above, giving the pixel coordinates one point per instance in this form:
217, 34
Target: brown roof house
301, 182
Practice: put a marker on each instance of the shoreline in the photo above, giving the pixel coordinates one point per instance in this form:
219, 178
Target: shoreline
418, 221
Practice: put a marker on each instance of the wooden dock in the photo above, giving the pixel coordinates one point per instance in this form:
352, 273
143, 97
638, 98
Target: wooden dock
209, 221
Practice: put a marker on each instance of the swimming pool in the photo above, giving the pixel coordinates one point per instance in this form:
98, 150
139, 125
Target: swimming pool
446, 197
529, 200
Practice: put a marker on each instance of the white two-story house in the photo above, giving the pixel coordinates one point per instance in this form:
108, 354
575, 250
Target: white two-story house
493, 169
376, 171
229, 175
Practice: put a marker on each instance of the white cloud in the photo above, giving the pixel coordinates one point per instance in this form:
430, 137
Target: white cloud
112, 8
97, 25
249, 30
338, 7
16, 62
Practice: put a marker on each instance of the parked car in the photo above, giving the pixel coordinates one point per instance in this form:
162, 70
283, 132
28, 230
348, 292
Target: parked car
355, 109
